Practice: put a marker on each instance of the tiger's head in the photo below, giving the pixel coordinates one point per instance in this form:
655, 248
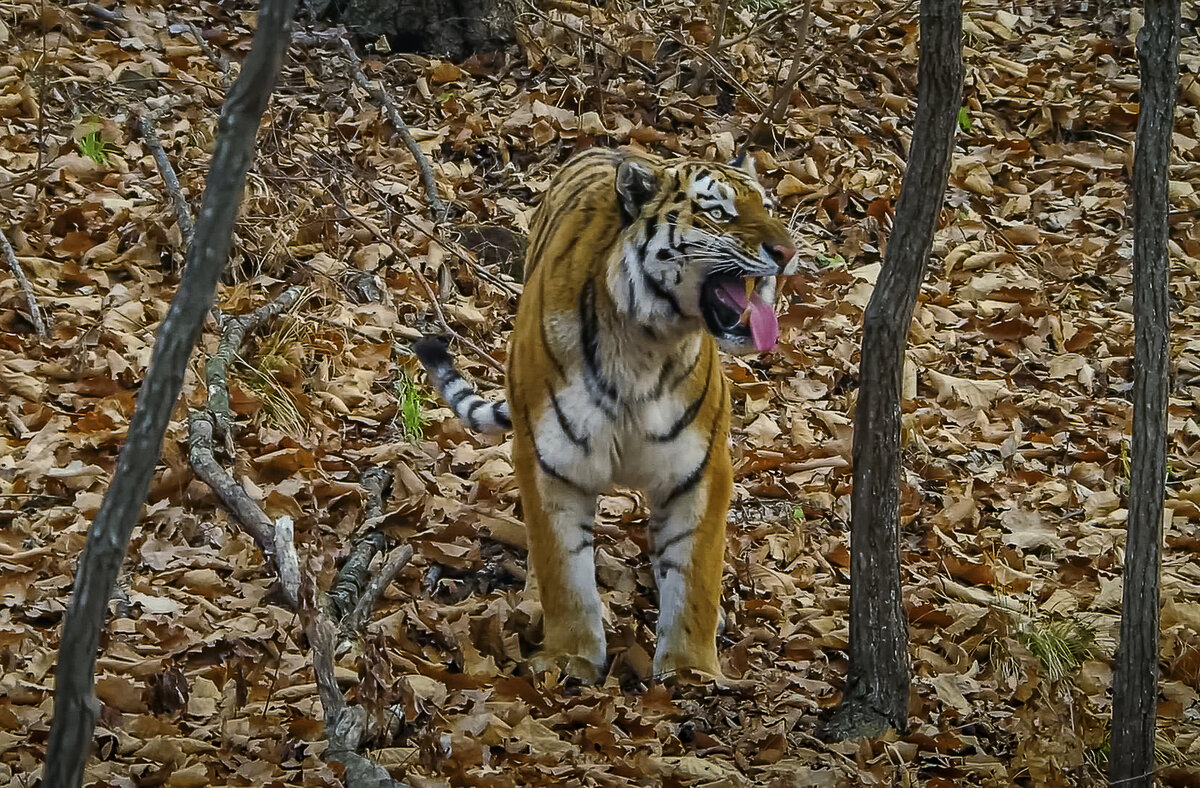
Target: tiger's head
701, 248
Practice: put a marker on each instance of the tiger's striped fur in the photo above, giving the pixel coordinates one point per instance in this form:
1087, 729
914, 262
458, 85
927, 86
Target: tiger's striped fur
635, 275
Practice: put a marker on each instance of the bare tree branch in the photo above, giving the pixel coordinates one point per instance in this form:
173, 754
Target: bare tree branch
783, 93
35, 311
75, 705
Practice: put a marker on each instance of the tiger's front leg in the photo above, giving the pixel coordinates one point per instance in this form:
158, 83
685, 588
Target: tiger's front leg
687, 533
559, 521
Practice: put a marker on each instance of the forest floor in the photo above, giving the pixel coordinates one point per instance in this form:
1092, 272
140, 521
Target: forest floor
1016, 417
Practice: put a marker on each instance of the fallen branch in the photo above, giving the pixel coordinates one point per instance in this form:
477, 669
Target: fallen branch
347, 587
374, 590
183, 213
345, 725
75, 704
201, 455
234, 331
35, 311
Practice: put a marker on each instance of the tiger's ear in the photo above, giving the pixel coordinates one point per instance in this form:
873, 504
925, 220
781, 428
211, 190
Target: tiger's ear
745, 162
636, 184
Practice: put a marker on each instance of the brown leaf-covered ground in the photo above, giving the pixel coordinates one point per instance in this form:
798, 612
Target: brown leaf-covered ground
1015, 428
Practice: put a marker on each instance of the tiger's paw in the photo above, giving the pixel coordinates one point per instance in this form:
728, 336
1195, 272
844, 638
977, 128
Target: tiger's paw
577, 667
705, 665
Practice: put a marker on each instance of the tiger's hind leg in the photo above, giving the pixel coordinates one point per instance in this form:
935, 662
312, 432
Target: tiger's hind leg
559, 521
688, 552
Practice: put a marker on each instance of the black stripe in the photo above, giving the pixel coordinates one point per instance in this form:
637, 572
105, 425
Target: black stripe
667, 369
554, 217
689, 414
564, 424
586, 544
674, 540
691, 368
457, 399
500, 413
590, 339
661, 293
546, 467
473, 422
664, 566
694, 477
631, 302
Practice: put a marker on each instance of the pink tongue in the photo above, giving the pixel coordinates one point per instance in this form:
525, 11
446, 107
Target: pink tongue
764, 326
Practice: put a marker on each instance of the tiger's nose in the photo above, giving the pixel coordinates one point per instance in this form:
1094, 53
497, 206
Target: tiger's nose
780, 253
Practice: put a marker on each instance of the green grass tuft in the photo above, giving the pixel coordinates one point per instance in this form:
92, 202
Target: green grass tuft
95, 147
1060, 643
413, 402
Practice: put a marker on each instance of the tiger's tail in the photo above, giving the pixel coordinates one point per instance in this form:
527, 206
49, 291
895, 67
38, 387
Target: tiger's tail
472, 410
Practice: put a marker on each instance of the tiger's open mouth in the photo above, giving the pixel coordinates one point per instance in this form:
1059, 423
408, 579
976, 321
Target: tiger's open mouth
741, 309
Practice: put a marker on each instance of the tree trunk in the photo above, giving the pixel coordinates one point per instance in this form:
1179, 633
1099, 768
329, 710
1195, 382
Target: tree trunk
452, 28
75, 704
877, 684
1135, 684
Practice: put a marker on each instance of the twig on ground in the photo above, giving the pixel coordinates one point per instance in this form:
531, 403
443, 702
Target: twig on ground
219, 60
393, 113
398, 559
714, 47
719, 67
795, 74
783, 93
35, 311
384, 99
420, 277
345, 725
183, 212
595, 39
234, 331
75, 704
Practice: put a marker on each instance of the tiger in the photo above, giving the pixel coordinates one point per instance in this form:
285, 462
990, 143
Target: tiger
638, 270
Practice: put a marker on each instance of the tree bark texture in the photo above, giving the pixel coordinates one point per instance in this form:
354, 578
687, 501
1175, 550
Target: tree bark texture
454, 28
1135, 684
75, 705
877, 685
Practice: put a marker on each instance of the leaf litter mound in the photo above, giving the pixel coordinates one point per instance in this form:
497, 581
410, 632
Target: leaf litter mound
1016, 410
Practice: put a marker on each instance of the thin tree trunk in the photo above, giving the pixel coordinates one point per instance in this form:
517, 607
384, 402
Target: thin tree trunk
1135, 685
877, 684
75, 705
